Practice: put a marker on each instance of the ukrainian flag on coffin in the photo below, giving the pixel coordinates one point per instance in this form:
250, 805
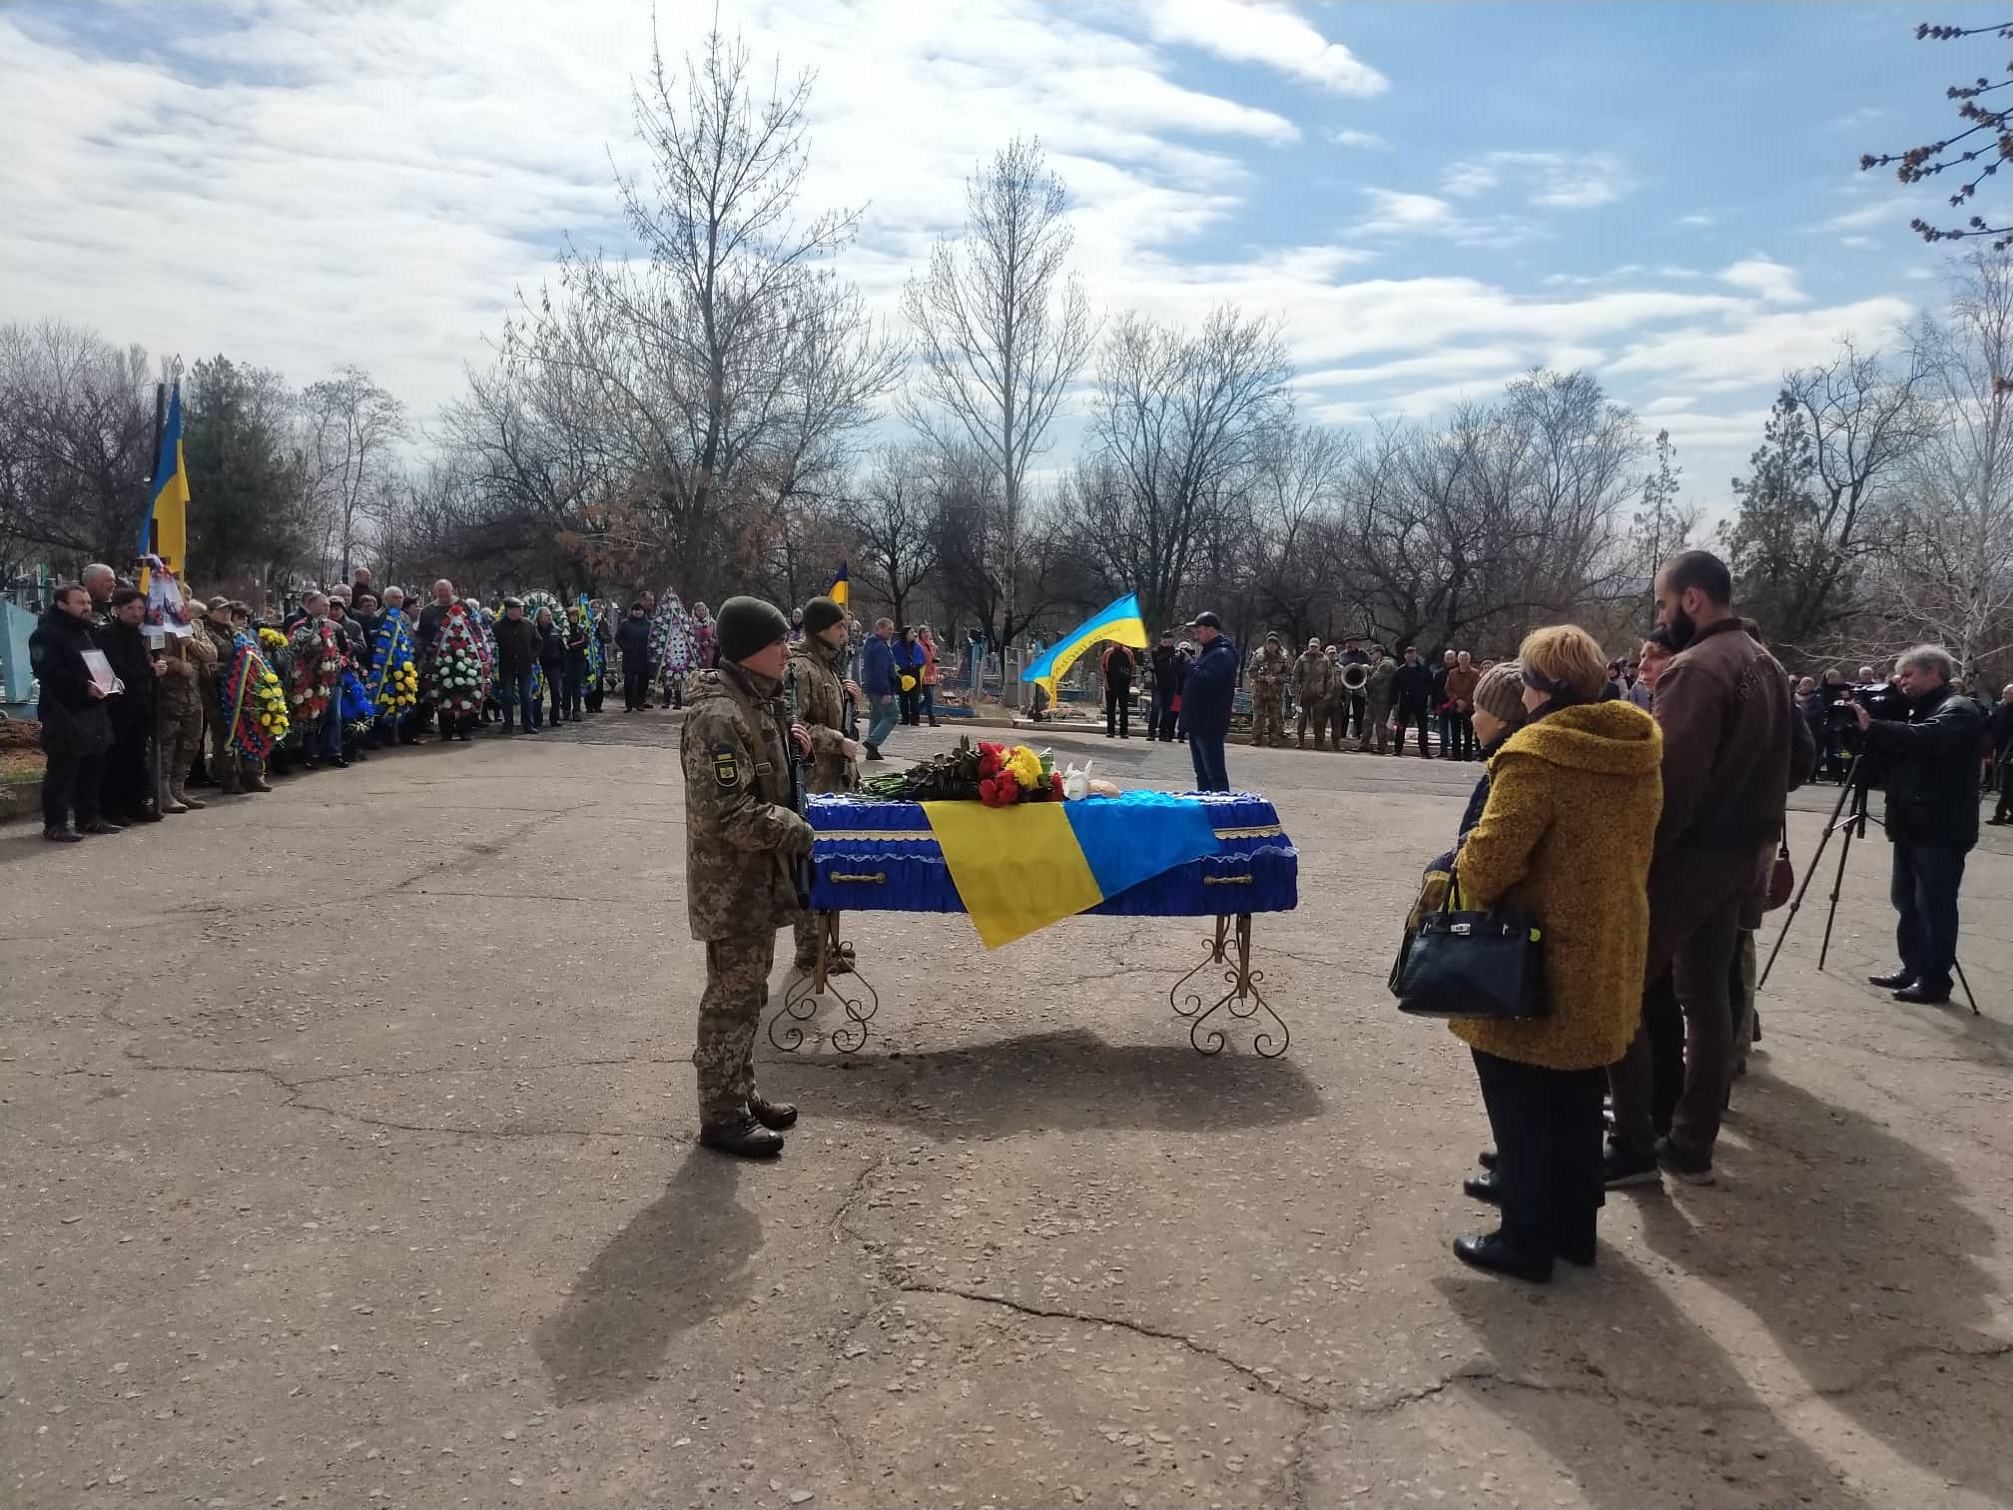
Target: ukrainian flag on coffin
1023, 867
1119, 621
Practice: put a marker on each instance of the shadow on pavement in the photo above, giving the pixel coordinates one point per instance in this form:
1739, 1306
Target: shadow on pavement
1637, 1404
1070, 1081
1855, 1249
681, 1260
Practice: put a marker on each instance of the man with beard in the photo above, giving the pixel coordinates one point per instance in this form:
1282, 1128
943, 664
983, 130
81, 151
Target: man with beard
75, 729
1733, 750
821, 691
125, 795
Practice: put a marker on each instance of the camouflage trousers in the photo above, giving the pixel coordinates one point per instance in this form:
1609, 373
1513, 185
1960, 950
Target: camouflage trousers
730, 1012
228, 768
1318, 714
181, 742
1268, 719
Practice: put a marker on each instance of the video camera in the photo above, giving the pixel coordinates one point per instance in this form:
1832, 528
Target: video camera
1879, 699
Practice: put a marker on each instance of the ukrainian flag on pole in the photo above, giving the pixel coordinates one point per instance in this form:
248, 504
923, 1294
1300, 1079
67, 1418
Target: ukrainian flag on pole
1118, 621
841, 590
165, 530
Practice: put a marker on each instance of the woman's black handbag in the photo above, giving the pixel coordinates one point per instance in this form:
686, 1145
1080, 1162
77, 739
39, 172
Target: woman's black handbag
1471, 964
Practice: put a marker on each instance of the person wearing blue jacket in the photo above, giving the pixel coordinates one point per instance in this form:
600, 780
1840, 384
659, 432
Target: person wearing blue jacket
1206, 697
881, 681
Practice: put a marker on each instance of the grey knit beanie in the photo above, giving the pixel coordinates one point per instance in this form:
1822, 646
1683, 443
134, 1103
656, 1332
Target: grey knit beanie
1500, 692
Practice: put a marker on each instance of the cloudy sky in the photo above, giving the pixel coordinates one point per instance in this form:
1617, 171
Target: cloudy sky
1431, 197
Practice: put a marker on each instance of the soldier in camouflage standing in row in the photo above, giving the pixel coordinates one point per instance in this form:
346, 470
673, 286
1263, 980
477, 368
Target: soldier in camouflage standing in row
1270, 671
742, 837
1378, 693
817, 664
1312, 678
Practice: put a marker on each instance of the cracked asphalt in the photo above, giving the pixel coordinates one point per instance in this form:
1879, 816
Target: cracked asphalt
349, 1163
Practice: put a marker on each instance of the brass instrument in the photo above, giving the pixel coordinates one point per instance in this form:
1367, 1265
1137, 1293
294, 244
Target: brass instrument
1355, 677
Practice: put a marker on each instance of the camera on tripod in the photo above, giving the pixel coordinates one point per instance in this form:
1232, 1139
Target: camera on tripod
1879, 699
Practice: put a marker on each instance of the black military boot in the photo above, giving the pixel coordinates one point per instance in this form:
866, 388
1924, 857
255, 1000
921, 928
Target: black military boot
777, 1116
742, 1136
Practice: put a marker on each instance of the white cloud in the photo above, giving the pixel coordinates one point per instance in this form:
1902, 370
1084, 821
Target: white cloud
1698, 218
1756, 350
1881, 211
1275, 35
1368, 141
1393, 213
1548, 180
1769, 280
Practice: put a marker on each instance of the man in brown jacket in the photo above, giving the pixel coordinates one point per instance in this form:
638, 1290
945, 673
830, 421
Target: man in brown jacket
1462, 679
1733, 750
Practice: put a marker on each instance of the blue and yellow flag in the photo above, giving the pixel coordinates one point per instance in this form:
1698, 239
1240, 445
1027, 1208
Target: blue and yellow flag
841, 590
1023, 867
1119, 621
168, 496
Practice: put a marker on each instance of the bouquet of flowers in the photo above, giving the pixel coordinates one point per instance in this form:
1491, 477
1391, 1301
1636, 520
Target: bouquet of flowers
995, 774
358, 711
394, 677
317, 670
254, 704
460, 677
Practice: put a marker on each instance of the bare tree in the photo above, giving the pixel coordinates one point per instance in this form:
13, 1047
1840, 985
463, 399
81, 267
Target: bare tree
894, 523
1815, 510
732, 366
1296, 531
1983, 107
1180, 420
350, 427
1004, 328
1951, 576
76, 436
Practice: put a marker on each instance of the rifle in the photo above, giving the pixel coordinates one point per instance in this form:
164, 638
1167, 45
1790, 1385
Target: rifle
800, 872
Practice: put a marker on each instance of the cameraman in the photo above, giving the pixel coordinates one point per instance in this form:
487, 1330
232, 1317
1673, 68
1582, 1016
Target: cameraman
1929, 765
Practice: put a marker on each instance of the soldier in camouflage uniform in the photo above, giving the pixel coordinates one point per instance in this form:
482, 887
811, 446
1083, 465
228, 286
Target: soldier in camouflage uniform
816, 666
1377, 694
1311, 685
1270, 671
742, 838
189, 662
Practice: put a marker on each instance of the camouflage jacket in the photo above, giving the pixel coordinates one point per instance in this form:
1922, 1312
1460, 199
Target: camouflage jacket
190, 681
741, 834
821, 708
1379, 685
1270, 661
1313, 677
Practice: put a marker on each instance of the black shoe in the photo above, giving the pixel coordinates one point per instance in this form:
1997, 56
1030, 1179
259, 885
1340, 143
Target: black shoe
1620, 1169
1923, 996
466, 737
777, 1116
874, 753
99, 826
1498, 1257
1900, 980
1487, 1158
1483, 1187
744, 1137
341, 762
63, 835
1692, 1168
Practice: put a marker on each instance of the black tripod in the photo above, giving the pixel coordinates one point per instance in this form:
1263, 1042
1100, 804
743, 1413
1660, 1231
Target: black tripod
1852, 820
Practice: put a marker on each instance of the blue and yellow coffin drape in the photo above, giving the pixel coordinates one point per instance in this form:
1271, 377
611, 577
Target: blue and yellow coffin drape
1017, 869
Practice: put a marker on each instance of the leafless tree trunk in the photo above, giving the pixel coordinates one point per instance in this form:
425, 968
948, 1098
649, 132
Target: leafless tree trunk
1180, 420
1003, 328
350, 426
895, 524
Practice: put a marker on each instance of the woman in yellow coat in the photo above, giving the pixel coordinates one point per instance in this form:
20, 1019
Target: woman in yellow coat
1565, 837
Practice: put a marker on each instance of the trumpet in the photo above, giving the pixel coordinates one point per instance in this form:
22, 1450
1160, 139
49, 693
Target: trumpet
1355, 677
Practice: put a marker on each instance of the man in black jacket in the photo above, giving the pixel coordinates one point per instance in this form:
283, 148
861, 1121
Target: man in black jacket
2001, 727
1118, 667
1412, 691
76, 731
633, 641
1931, 768
516, 650
125, 793
1169, 670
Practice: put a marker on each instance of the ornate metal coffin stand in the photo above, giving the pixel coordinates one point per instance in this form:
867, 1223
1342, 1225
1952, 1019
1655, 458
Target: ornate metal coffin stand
836, 976
1243, 1000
